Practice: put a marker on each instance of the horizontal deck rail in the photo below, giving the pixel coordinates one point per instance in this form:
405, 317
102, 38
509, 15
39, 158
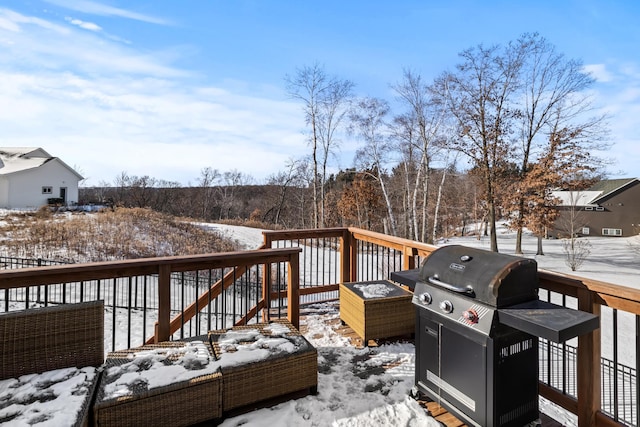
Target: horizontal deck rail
97, 274
297, 266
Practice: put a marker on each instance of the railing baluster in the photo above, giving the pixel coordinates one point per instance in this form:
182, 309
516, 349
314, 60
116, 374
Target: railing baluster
113, 318
616, 401
144, 307
634, 416
130, 289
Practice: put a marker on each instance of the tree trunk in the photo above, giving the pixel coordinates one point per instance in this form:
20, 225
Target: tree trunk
392, 220
540, 251
519, 241
492, 223
437, 207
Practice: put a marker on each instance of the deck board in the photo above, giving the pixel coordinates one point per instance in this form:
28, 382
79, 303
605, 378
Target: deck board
438, 412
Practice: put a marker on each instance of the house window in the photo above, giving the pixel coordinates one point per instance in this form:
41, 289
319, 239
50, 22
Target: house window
585, 231
612, 232
588, 208
47, 190
600, 208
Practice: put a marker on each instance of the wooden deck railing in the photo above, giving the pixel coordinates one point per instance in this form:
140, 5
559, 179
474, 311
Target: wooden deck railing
591, 296
314, 262
163, 268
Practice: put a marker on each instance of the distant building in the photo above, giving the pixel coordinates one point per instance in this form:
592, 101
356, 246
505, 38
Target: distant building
609, 208
30, 177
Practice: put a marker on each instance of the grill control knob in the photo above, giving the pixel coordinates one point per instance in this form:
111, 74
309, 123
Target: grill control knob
446, 306
426, 298
471, 315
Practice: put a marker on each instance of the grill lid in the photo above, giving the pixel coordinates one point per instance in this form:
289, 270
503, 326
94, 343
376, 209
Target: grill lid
496, 279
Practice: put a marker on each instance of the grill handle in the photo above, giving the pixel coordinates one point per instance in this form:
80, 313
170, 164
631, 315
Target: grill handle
434, 280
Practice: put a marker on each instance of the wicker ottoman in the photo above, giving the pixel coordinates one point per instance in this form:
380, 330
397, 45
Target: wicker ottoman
283, 362
377, 309
123, 400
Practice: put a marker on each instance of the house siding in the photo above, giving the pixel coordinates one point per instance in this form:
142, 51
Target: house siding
24, 188
621, 211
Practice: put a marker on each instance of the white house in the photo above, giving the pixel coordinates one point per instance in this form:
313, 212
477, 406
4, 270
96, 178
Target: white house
29, 177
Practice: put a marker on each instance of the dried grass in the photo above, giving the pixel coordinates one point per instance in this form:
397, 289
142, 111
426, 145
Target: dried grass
123, 233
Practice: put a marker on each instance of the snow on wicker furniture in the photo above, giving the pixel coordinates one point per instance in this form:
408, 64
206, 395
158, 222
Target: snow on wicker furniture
173, 383
263, 361
376, 309
48, 361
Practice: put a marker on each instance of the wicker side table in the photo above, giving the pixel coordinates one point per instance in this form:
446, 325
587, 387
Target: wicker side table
377, 309
280, 374
182, 403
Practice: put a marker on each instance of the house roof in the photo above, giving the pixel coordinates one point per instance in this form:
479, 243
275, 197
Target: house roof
576, 198
609, 186
18, 159
593, 195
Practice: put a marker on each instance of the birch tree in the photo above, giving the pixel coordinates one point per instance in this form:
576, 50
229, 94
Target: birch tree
324, 100
368, 122
424, 116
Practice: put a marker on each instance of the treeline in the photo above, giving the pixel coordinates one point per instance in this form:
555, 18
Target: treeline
353, 198
488, 140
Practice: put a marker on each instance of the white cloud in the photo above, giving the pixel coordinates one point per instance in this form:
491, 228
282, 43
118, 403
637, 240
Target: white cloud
95, 8
109, 108
84, 25
598, 72
36, 43
620, 99
12, 22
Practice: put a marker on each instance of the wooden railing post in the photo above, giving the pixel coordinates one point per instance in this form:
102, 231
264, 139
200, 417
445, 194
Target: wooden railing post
408, 258
345, 257
588, 387
293, 290
164, 303
353, 258
266, 281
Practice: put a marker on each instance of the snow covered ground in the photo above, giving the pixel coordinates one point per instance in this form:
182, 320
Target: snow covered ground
612, 259
370, 387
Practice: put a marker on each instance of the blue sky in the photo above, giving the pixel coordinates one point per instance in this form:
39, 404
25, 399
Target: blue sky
166, 88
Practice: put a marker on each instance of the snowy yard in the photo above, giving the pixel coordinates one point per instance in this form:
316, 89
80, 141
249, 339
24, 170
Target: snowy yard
370, 386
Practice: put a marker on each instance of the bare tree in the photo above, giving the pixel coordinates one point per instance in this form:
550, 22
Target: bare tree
284, 180
230, 181
425, 116
553, 96
324, 98
333, 110
480, 96
206, 181
576, 250
403, 133
566, 163
368, 121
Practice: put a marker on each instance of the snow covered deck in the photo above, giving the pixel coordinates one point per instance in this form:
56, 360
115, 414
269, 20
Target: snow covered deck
378, 376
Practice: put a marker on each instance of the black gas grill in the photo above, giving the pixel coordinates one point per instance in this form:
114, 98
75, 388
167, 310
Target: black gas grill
478, 321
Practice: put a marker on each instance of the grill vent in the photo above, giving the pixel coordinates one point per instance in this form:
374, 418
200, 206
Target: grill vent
516, 348
520, 411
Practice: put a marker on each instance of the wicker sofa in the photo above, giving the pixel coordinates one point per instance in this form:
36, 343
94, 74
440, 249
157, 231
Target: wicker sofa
56, 343
59, 339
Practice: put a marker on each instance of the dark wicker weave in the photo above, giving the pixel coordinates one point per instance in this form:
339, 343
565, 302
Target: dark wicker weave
179, 404
276, 376
43, 339
375, 318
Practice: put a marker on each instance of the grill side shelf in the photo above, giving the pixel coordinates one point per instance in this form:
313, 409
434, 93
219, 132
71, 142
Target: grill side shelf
550, 321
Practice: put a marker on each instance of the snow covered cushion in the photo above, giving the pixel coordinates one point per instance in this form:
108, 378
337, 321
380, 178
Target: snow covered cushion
54, 398
264, 361
170, 383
